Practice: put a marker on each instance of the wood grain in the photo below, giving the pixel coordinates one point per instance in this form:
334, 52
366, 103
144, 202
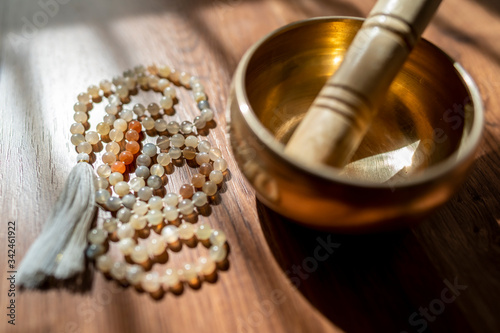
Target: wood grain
370, 283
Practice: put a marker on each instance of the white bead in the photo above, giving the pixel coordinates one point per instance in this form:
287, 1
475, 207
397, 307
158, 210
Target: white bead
76, 139
148, 123
170, 279
111, 109
203, 231
186, 127
140, 208
163, 142
170, 213
109, 119
186, 231
116, 135
84, 147
169, 91
171, 199
113, 147
114, 99
175, 153
166, 102
110, 225
92, 137
137, 183
118, 271
164, 159
216, 176
80, 107
170, 234
104, 170
130, 83
153, 81
162, 84
155, 217
207, 115
186, 207
134, 274
189, 272
155, 203
160, 125
120, 125
115, 178
202, 158
191, 141
199, 122
122, 91
101, 183
177, 140
164, 71
204, 146
199, 199
217, 237
173, 127
206, 266
184, 78
139, 254
125, 231
157, 170
199, 96
126, 246
156, 246
210, 188
97, 236
217, 253
126, 115
104, 263
84, 97
220, 164
105, 85
214, 153
77, 128
138, 222
122, 188
150, 282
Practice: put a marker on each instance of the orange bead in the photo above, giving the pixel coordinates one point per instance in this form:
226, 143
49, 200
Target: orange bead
118, 167
133, 147
132, 135
126, 157
135, 125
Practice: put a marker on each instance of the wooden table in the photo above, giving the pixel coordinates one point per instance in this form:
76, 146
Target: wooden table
370, 283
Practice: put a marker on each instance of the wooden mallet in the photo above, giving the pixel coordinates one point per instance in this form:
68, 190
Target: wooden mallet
341, 114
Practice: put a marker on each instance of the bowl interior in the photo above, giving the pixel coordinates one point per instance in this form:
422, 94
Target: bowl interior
420, 124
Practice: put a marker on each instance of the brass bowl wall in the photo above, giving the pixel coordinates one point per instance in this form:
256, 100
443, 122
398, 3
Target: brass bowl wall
415, 156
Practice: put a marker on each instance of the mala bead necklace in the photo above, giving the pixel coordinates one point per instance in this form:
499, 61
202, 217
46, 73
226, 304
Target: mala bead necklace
139, 204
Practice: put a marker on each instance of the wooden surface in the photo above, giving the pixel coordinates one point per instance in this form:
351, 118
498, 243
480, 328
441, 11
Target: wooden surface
370, 283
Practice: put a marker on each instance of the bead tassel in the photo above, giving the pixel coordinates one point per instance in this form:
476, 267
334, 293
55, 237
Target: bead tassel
59, 252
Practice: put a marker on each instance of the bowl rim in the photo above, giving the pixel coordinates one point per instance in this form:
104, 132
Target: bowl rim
459, 157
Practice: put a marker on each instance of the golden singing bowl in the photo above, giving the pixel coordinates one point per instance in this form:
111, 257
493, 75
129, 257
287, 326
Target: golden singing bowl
416, 154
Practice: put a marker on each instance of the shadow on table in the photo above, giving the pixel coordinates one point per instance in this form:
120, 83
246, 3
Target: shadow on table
399, 281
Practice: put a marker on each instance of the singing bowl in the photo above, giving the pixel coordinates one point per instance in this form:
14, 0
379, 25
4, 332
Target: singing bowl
415, 155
